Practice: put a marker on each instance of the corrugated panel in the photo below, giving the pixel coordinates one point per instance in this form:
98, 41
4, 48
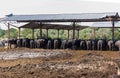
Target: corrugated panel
52, 26
58, 16
105, 24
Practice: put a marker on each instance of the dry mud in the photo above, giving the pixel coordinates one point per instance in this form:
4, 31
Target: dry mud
40, 63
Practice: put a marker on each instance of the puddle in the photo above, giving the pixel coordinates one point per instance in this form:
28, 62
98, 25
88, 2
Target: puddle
18, 55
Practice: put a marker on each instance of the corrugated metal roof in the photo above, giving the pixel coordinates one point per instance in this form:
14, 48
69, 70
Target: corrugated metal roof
105, 24
52, 26
57, 16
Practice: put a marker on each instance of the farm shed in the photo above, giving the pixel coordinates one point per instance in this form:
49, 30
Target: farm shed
73, 18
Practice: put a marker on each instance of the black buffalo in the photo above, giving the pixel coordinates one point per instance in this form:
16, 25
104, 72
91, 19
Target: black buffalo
32, 43
19, 43
102, 44
26, 43
69, 44
50, 44
76, 44
64, 44
12, 42
40, 43
83, 45
117, 45
111, 45
94, 44
57, 43
89, 44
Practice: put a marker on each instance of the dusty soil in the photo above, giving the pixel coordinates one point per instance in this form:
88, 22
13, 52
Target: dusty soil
21, 63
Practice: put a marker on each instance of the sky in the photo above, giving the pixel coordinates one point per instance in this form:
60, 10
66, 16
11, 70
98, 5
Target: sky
108, 1
57, 6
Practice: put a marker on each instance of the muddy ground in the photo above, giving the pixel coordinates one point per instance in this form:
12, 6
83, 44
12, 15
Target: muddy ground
40, 63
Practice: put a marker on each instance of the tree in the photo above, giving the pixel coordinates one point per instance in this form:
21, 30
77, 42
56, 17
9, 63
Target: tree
2, 33
13, 33
26, 33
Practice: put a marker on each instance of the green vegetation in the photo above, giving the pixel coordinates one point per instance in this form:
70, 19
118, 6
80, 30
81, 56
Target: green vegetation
83, 34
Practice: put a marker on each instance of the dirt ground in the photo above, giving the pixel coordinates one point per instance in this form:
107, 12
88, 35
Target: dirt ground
65, 64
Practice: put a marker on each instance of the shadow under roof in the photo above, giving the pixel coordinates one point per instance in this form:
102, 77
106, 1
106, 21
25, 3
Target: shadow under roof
33, 25
105, 24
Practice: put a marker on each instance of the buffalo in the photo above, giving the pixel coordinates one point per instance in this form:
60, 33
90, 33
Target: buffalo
89, 44
26, 43
117, 44
32, 43
12, 42
19, 43
94, 44
75, 44
57, 43
102, 44
83, 45
64, 44
110, 45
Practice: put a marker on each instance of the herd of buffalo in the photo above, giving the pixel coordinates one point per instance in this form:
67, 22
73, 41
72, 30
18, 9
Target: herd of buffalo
76, 44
